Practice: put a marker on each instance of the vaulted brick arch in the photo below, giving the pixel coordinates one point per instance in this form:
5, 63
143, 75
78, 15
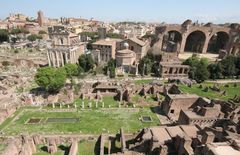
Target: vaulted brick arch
195, 41
171, 41
217, 41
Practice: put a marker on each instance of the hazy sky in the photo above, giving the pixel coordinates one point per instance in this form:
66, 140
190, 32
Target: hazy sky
171, 11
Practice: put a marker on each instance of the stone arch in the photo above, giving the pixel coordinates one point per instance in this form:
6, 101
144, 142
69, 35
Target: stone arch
195, 41
218, 41
171, 41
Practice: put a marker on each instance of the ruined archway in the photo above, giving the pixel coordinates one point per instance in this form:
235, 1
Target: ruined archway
171, 41
195, 42
218, 41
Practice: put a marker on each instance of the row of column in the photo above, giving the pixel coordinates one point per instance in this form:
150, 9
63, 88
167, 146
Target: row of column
177, 70
59, 58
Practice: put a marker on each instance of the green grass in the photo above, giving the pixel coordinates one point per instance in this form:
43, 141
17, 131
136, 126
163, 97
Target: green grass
149, 98
9, 119
108, 100
2, 147
86, 147
40, 150
91, 121
231, 91
144, 81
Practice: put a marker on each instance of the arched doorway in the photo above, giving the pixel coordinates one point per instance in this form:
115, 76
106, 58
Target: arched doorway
218, 41
195, 42
171, 41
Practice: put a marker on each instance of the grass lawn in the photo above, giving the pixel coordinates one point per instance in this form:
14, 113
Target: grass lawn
9, 119
108, 100
144, 81
86, 147
2, 147
42, 150
231, 91
137, 98
91, 121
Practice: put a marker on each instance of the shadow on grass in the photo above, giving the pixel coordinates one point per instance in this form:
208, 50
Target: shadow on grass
156, 110
44, 148
65, 149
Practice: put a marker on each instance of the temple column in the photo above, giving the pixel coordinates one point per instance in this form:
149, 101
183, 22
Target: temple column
71, 56
74, 57
53, 59
49, 61
61, 55
57, 54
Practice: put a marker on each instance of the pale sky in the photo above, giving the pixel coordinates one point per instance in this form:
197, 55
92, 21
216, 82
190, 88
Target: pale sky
170, 11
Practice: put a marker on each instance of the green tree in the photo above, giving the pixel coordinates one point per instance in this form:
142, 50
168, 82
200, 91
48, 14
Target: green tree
71, 70
112, 72
42, 32
5, 63
215, 71
157, 69
86, 62
198, 68
115, 35
4, 36
229, 66
51, 79
201, 73
18, 31
145, 65
32, 37
237, 64
110, 68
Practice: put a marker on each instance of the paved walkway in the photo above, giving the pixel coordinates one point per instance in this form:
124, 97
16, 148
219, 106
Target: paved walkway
225, 81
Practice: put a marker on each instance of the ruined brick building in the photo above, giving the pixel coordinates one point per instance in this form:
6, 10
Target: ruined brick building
197, 38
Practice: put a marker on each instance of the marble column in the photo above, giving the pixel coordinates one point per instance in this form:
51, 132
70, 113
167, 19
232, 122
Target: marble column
71, 56
49, 61
66, 57
61, 55
57, 57
74, 57
53, 59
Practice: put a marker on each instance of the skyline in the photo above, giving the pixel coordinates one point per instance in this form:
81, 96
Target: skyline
172, 11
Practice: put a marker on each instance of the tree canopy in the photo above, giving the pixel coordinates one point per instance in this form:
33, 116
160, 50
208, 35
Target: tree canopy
71, 70
229, 66
198, 68
18, 31
215, 70
4, 36
42, 32
86, 62
51, 79
115, 35
150, 64
110, 68
34, 37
